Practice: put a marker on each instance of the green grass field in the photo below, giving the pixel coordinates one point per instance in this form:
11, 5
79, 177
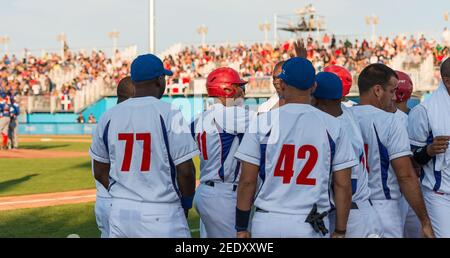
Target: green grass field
60, 222
33, 176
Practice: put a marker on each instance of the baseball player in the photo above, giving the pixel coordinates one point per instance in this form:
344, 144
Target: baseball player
218, 133
429, 131
5, 118
347, 82
274, 101
412, 227
125, 90
297, 150
363, 220
143, 154
388, 151
14, 124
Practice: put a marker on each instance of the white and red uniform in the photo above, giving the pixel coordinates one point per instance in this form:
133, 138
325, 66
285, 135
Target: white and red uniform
297, 148
144, 140
427, 121
412, 226
363, 220
385, 139
218, 133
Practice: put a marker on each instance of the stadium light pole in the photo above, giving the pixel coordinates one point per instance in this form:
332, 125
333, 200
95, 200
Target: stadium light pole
62, 39
5, 42
265, 27
373, 21
275, 28
114, 35
152, 45
203, 31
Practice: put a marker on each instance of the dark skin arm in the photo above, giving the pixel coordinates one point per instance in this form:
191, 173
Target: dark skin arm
186, 179
343, 199
410, 187
246, 190
101, 173
439, 146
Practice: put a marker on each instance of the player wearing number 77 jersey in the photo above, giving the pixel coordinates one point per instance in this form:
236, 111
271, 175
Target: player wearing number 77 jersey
388, 151
298, 151
143, 154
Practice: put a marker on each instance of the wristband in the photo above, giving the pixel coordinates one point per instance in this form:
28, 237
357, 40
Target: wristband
242, 219
186, 202
340, 232
421, 156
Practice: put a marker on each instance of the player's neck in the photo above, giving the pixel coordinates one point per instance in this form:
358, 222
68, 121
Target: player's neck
334, 110
403, 107
367, 100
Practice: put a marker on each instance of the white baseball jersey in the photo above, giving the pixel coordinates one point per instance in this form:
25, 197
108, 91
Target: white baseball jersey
385, 139
101, 190
269, 104
360, 177
143, 140
218, 133
297, 148
402, 116
421, 135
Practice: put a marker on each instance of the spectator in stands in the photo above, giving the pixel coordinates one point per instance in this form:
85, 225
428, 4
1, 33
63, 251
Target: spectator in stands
80, 119
91, 119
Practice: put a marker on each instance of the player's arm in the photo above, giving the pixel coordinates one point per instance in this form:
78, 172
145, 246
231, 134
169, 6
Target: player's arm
343, 199
101, 172
410, 187
245, 194
186, 183
400, 156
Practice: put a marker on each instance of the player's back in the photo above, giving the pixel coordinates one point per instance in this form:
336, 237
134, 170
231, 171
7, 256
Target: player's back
142, 164
218, 133
297, 152
385, 139
360, 181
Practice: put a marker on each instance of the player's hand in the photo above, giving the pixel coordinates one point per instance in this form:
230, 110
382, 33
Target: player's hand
439, 146
243, 234
428, 232
300, 50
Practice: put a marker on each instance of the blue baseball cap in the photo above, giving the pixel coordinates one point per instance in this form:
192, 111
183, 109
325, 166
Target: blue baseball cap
147, 67
299, 73
329, 86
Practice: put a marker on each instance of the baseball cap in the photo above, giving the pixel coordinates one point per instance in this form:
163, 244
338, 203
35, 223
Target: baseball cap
299, 73
329, 86
147, 67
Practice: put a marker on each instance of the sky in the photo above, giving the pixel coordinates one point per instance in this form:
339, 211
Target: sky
35, 24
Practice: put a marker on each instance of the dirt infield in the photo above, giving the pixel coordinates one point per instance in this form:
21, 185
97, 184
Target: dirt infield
45, 140
46, 200
41, 154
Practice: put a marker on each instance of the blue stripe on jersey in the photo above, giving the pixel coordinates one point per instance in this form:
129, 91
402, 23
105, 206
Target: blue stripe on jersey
193, 130
333, 153
384, 163
173, 171
105, 136
437, 174
226, 141
354, 186
238, 166
262, 162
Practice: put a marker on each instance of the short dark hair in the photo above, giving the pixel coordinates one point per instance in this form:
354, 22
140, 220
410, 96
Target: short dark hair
445, 68
375, 74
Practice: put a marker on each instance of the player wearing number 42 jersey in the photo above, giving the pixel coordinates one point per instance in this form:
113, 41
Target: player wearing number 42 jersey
388, 151
143, 154
297, 150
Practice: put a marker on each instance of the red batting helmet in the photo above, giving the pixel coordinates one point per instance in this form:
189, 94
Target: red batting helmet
405, 87
344, 75
220, 82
